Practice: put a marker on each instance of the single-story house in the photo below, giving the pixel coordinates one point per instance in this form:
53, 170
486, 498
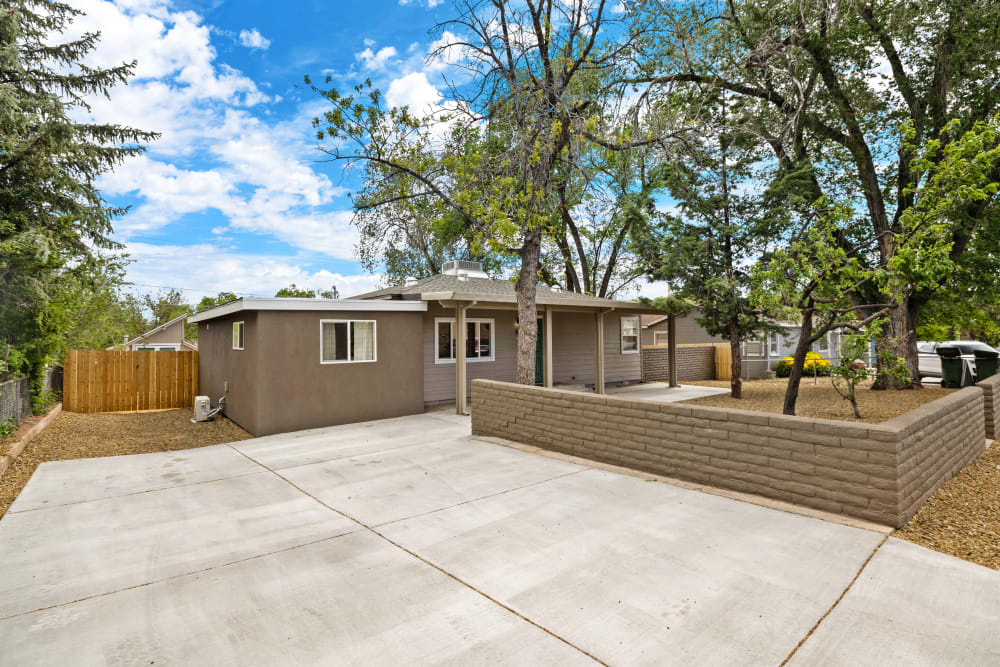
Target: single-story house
687, 331
167, 336
763, 354
290, 364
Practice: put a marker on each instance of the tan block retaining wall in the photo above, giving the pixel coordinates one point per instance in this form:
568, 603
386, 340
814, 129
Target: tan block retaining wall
878, 472
693, 363
991, 405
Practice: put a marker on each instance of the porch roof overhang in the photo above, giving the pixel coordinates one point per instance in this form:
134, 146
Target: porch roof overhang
554, 301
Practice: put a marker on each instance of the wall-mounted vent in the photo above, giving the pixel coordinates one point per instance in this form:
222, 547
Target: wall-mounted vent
463, 268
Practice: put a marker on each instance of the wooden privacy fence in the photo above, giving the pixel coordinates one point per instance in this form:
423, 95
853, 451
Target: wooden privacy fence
125, 381
723, 361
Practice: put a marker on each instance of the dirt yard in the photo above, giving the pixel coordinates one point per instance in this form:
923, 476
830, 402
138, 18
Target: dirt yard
820, 400
962, 518
82, 436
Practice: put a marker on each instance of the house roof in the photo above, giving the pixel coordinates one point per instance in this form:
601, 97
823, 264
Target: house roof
249, 303
447, 288
650, 319
157, 329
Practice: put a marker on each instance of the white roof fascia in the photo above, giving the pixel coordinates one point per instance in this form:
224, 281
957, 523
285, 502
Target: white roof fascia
309, 304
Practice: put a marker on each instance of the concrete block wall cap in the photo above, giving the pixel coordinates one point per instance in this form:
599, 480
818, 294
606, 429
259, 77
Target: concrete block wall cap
844, 429
748, 417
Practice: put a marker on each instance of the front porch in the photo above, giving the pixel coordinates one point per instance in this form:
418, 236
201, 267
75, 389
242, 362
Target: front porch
594, 347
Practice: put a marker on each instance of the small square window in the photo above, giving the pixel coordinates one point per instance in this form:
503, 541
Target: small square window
478, 340
237, 335
630, 334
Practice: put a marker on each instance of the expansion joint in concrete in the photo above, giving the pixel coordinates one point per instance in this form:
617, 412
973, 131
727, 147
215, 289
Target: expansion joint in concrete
835, 603
450, 575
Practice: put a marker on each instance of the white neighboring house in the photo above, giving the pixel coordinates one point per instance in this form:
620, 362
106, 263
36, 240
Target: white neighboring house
167, 336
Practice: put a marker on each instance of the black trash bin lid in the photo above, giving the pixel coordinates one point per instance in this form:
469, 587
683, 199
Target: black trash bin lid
985, 354
948, 351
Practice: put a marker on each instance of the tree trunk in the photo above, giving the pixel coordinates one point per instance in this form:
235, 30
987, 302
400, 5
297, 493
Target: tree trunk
801, 349
898, 340
527, 310
736, 381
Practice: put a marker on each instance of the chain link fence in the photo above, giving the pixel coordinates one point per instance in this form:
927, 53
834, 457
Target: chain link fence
15, 400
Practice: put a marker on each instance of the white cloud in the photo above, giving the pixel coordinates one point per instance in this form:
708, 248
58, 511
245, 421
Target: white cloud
215, 154
205, 269
375, 60
414, 91
431, 4
252, 39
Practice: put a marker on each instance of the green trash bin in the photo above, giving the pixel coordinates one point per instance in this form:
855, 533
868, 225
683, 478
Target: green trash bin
986, 363
951, 365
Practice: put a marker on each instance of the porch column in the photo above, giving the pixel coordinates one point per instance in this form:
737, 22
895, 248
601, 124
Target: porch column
547, 348
672, 349
460, 359
599, 354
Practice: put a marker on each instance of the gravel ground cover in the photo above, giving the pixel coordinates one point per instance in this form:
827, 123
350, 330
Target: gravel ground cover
962, 518
820, 400
82, 436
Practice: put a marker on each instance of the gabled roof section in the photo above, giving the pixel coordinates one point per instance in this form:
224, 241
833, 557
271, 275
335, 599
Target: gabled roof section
445, 288
650, 319
163, 326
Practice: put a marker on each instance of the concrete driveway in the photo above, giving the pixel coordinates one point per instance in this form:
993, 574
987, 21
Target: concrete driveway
407, 541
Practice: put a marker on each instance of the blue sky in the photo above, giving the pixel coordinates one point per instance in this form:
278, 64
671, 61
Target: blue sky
234, 196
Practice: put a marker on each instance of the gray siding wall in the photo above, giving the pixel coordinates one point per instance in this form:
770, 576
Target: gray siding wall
573, 339
172, 334
688, 331
439, 379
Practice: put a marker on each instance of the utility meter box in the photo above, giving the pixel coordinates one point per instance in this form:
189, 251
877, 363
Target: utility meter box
202, 406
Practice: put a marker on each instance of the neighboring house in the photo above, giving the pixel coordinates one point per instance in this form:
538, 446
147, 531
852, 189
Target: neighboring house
655, 329
167, 336
763, 354
291, 364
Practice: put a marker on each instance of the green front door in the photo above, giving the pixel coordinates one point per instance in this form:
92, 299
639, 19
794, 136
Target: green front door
539, 358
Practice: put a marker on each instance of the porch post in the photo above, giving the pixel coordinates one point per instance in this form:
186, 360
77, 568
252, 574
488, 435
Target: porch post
460, 359
672, 349
547, 349
599, 354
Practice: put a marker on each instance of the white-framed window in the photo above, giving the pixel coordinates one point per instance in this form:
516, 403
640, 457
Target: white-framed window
155, 347
237, 335
347, 341
773, 340
479, 343
661, 338
824, 342
630, 334
753, 348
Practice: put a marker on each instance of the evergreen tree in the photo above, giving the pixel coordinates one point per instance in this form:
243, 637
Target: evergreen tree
53, 220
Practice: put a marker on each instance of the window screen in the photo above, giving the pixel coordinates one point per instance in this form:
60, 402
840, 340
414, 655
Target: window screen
478, 340
347, 340
630, 334
237, 335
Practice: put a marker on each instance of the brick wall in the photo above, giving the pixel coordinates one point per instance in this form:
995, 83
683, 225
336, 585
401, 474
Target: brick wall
991, 405
879, 472
693, 363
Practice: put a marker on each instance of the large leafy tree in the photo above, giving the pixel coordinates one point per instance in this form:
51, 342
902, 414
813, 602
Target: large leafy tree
52, 217
530, 79
838, 90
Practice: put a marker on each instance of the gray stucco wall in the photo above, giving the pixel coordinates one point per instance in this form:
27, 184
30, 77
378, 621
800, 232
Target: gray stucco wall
277, 383
298, 392
219, 363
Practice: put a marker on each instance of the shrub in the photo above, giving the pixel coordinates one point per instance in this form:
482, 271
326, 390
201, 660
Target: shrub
784, 367
7, 429
43, 400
